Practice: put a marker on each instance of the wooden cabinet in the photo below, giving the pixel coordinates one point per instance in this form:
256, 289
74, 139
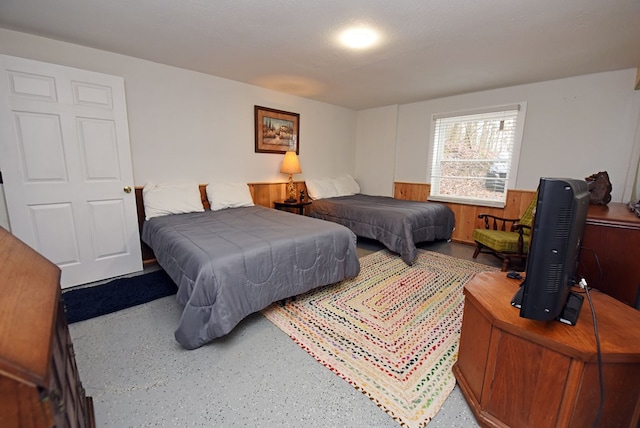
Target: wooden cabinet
611, 245
516, 372
39, 382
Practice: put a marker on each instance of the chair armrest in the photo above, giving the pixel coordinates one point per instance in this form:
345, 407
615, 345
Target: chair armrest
519, 227
497, 223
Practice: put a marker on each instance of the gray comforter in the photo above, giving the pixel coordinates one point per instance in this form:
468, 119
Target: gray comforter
233, 262
396, 223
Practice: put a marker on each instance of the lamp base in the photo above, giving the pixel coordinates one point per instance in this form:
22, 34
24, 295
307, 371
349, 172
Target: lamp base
291, 189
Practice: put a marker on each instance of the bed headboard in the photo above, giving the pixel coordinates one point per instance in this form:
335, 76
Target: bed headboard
263, 194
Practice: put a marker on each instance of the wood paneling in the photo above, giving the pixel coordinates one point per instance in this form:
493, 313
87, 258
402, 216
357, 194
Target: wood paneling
411, 191
467, 215
265, 194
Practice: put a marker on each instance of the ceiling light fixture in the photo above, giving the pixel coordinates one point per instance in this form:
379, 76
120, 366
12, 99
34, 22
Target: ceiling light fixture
359, 37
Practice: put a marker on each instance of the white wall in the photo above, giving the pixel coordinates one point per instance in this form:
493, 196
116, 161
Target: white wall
188, 125
375, 145
574, 127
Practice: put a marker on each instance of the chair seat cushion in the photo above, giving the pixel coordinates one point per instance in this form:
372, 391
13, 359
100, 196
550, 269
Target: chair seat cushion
500, 241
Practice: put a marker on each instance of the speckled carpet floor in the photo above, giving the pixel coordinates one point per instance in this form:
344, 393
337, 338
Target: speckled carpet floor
392, 332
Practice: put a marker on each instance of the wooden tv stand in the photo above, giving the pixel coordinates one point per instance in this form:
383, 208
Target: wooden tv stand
516, 372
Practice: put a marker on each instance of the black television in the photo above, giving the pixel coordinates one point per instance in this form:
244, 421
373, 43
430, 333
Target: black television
554, 252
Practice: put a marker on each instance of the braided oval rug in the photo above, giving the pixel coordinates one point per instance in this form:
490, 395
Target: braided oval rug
392, 332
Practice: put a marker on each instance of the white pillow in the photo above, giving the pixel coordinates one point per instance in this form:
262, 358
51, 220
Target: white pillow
313, 190
164, 199
321, 188
228, 195
346, 185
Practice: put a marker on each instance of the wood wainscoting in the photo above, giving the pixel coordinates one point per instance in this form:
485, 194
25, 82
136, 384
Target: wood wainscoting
467, 215
265, 194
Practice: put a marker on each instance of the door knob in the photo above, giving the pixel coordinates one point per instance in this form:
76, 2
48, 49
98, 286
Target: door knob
127, 189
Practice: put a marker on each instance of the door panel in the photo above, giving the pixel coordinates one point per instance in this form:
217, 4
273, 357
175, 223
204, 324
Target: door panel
92, 95
108, 215
99, 149
32, 86
55, 233
40, 147
65, 160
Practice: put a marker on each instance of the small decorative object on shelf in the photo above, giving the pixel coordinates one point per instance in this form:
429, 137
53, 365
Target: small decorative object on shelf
599, 188
634, 207
302, 196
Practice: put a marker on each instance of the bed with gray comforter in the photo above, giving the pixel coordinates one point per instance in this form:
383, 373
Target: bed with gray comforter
234, 262
398, 224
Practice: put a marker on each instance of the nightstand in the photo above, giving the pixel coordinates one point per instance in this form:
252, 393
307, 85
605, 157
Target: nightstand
286, 206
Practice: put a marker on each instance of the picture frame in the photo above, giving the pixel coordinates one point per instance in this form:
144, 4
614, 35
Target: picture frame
276, 131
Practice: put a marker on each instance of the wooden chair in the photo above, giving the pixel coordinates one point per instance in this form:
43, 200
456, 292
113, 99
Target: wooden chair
505, 238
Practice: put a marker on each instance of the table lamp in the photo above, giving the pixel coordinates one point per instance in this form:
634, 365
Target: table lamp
290, 165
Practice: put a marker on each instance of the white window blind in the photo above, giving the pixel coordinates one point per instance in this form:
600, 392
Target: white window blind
473, 154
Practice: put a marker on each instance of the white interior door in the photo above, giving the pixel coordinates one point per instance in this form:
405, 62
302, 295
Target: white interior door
66, 165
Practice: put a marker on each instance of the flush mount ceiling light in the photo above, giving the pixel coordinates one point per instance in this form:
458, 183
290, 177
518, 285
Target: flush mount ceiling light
359, 37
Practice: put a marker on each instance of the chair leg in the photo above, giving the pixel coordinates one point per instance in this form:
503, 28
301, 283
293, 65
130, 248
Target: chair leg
505, 264
477, 251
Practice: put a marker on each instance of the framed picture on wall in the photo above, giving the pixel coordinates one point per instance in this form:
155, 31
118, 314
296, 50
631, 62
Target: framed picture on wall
277, 131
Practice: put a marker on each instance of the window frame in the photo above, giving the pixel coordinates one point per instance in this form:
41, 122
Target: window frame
511, 178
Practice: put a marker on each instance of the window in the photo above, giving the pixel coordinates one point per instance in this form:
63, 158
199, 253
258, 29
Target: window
475, 155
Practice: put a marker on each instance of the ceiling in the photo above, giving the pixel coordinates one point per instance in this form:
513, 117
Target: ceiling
428, 49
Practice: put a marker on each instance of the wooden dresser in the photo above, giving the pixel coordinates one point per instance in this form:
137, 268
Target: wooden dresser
612, 232
39, 382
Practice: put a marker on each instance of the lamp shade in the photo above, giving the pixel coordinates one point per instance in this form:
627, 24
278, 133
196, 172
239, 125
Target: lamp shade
290, 164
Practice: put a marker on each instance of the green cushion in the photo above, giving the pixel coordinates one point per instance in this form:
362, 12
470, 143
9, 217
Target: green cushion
527, 217
500, 241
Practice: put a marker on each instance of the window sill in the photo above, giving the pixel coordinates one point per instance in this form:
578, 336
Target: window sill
463, 201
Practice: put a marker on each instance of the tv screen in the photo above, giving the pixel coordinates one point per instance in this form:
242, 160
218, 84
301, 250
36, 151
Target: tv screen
554, 252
